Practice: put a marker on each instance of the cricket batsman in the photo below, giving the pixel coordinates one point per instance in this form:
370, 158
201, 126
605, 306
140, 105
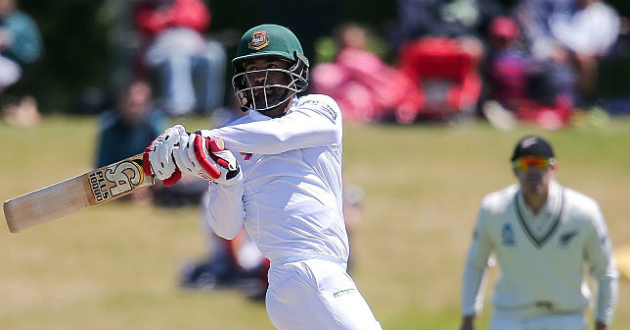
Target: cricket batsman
278, 173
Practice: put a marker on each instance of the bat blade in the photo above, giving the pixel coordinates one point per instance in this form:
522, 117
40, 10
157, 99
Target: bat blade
61, 199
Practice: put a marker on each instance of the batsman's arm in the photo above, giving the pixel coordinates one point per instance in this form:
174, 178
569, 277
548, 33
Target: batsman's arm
315, 122
224, 209
223, 205
61, 199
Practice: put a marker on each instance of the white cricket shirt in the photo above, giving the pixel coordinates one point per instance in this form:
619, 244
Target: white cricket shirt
541, 256
290, 195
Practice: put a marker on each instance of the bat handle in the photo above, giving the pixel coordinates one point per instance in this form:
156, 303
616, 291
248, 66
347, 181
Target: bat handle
216, 144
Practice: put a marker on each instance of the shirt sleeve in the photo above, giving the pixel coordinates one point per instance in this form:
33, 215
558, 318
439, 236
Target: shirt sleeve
602, 267
477, 261
314, 122
224, 210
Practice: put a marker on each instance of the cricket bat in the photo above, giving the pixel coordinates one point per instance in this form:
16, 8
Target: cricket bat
92, 188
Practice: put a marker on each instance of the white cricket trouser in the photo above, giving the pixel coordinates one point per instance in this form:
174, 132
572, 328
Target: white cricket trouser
316, 294
533, 320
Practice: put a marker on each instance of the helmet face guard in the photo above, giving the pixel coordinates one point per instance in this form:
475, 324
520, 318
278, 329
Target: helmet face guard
269, 95
269, 41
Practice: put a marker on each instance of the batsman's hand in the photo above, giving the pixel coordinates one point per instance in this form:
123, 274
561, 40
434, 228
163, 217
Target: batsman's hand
189, 162
206, 157
158, 159
225, 159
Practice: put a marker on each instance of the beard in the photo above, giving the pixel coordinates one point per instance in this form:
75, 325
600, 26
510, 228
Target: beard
265, 97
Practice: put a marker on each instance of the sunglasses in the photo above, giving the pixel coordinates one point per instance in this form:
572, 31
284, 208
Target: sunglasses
539, 163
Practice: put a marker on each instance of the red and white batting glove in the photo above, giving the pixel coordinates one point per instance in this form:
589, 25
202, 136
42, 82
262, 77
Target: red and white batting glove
206, 158
186, 159
214, 149
158, 159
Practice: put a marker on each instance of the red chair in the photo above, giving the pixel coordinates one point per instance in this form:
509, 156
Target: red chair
446, 75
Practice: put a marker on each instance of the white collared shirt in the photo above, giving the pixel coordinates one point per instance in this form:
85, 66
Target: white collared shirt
542, 256
541, 222
290, 195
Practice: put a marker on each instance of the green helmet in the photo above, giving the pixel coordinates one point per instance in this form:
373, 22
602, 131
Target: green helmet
269, 40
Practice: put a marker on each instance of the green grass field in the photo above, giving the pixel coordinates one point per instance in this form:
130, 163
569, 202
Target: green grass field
115, 266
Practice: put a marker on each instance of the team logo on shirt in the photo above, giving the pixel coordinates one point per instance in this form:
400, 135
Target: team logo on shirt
325, 107
567, 237
507, 235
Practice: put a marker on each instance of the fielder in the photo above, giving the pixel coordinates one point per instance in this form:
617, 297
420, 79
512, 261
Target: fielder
280, 177
542, 235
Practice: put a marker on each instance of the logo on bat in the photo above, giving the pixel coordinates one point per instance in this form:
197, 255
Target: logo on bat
115, 180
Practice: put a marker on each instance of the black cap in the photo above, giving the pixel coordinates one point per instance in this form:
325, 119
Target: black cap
532, 145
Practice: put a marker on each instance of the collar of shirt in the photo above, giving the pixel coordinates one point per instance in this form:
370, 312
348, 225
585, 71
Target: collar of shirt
259, 116
540, 222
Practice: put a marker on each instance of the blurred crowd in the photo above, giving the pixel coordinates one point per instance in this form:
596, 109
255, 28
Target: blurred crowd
20, 46
535, 61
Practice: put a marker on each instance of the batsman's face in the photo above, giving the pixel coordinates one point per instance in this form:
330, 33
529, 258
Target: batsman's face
268, 77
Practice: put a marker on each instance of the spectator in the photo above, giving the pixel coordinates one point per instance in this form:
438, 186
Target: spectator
20, 46
588, 34
507, 63
440, 45
565, 38
449, 18
544, 237
513, 79
534, 16
190, 67
126, 130
507, 73
365, 88
235, 263
453, 19
553, 78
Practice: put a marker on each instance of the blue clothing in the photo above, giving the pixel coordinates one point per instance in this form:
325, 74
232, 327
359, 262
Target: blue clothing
540, 12
193, 82
27, 46
119, 140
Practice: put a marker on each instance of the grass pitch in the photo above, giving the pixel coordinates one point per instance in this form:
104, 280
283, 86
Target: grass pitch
115, 266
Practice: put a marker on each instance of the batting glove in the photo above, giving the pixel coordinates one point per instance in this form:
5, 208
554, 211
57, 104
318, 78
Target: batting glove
190, 161
158, 159
211, 151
